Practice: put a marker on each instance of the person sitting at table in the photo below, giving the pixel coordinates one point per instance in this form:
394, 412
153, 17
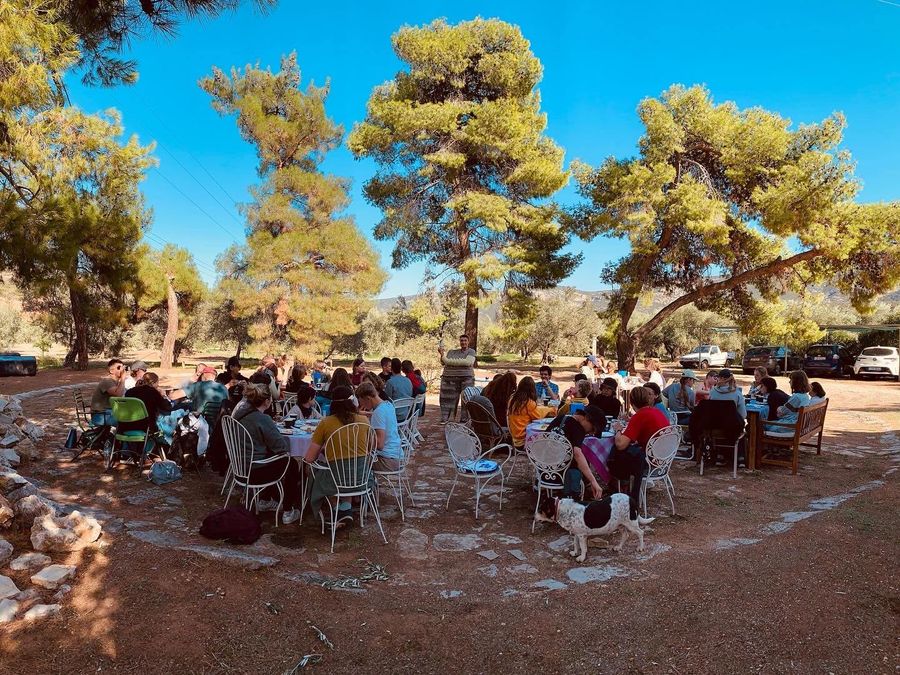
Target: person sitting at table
269, 442
148, 391
521, 410
498, 391
383, 420
628, 459
654, 373
339, 378
546, 389
607, 399
759, 373
136, 372
198, 372
343, 412
111, 385
304, 408
680, 395
799, 398
726, 389
385, 373
774, 397
296, 380
583, 389
205, 390
710, 381
612, 370
376, 381
589, 421
357, 371
320, 374
418, 384
817, 393
398, 385
657, 397
232, 373
587, 369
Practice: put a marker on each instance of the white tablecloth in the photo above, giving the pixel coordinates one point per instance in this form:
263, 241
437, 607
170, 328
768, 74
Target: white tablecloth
299, 442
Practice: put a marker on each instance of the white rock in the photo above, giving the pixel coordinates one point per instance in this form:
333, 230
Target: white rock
6, 512
30, 507
41, 612
24, 491
11, 438
8, 610
27, 598
52, 576
29, 561
64, 533
411, 544
7, 588
27, 449
6, 550
8, 456
10, 480
62, 592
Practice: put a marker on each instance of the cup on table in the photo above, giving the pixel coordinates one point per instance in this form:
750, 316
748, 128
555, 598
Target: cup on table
289, 422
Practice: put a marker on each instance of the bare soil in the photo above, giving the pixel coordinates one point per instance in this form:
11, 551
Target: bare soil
768, 572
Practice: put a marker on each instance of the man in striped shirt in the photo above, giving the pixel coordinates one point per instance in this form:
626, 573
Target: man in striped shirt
459, 373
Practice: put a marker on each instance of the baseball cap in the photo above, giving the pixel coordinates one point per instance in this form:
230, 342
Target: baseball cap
139, 365
687, 372
208, 370
725, 373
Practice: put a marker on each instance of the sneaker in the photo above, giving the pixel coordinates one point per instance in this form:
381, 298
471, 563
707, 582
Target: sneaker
266, 505
291, 516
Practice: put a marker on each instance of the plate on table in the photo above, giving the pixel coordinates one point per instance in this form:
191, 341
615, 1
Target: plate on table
286, 432
608, 434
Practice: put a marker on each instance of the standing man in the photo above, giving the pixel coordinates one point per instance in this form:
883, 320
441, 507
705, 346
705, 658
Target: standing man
459, 373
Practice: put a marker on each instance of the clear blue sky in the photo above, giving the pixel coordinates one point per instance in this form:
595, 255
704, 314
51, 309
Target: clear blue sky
802, 58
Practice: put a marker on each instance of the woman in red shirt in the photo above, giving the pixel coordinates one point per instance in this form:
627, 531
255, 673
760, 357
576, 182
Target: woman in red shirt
628, 460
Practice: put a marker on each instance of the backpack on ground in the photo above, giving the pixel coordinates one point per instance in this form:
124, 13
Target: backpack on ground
164, 472
189, 442
236, 525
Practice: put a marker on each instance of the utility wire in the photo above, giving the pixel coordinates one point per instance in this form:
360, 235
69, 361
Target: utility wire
199, 208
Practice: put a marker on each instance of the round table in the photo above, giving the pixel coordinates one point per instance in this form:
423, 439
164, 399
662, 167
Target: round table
298, 441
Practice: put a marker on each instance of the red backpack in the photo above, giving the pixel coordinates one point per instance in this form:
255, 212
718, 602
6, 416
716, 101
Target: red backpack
236, 525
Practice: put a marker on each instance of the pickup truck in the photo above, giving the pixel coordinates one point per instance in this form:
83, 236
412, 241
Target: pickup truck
706, 356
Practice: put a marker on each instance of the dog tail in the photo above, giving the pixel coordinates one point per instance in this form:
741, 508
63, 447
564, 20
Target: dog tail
644, 521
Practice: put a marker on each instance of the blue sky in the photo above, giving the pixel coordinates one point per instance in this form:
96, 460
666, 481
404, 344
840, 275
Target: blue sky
802, 58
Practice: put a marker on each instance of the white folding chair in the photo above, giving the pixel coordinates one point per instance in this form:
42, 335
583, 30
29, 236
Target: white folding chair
240, 453
416, 434
350, 475
407, 445
661, 449
470, 462
406, 410
551, 455
287, 404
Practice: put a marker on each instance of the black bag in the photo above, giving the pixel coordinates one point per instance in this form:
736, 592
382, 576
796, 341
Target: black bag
236, 525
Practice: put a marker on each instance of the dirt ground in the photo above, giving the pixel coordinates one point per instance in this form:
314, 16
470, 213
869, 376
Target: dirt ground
768, 572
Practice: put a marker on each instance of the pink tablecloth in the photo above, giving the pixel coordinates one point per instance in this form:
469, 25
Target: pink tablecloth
596, 450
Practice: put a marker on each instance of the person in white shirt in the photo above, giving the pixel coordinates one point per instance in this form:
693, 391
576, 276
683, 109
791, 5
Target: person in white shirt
138, 369
655, 376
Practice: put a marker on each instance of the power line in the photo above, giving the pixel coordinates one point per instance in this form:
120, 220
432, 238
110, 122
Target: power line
155, 238
199, 208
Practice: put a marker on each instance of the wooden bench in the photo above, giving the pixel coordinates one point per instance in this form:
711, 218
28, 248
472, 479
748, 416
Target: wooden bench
806, 432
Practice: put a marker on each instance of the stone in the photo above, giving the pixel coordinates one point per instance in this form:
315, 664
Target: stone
524, 568
30, 507
6, 550
9, 457
27, 598
24, 491
550, 585
411, 543
583, 575
10, 480
8, 610
456, 542
27, 449
6, 512
29, 561
7, 588
489, 570
41, 612
447, 595
223, 554
490, 554
517, 554
64, 533
62, 592
52, 576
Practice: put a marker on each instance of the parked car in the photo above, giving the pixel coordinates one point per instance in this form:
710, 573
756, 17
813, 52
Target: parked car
706, 356
877, 361
832, 360
776, 360
13, 364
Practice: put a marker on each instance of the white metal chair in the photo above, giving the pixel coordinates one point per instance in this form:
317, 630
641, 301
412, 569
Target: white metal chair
661, 449
350, 475
416, 434
470, 462
240, 453
551, 455
406, 410
407, 445
285, 405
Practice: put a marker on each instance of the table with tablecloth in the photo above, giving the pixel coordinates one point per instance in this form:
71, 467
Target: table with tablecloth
757, 413
596, 450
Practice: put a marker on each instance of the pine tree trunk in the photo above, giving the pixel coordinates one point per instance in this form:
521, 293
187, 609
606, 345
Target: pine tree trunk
240, 346
626, 348
168, 347
471, 325
79, 321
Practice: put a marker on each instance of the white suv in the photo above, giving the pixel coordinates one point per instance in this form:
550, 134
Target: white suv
878, 361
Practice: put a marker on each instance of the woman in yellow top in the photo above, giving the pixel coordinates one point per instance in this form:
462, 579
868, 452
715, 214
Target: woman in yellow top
343, 412
522, 409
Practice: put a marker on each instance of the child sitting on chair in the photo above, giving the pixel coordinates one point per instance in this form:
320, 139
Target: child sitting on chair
304, 407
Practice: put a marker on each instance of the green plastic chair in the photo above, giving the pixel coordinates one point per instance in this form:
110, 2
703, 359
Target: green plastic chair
210, 413
129, 410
